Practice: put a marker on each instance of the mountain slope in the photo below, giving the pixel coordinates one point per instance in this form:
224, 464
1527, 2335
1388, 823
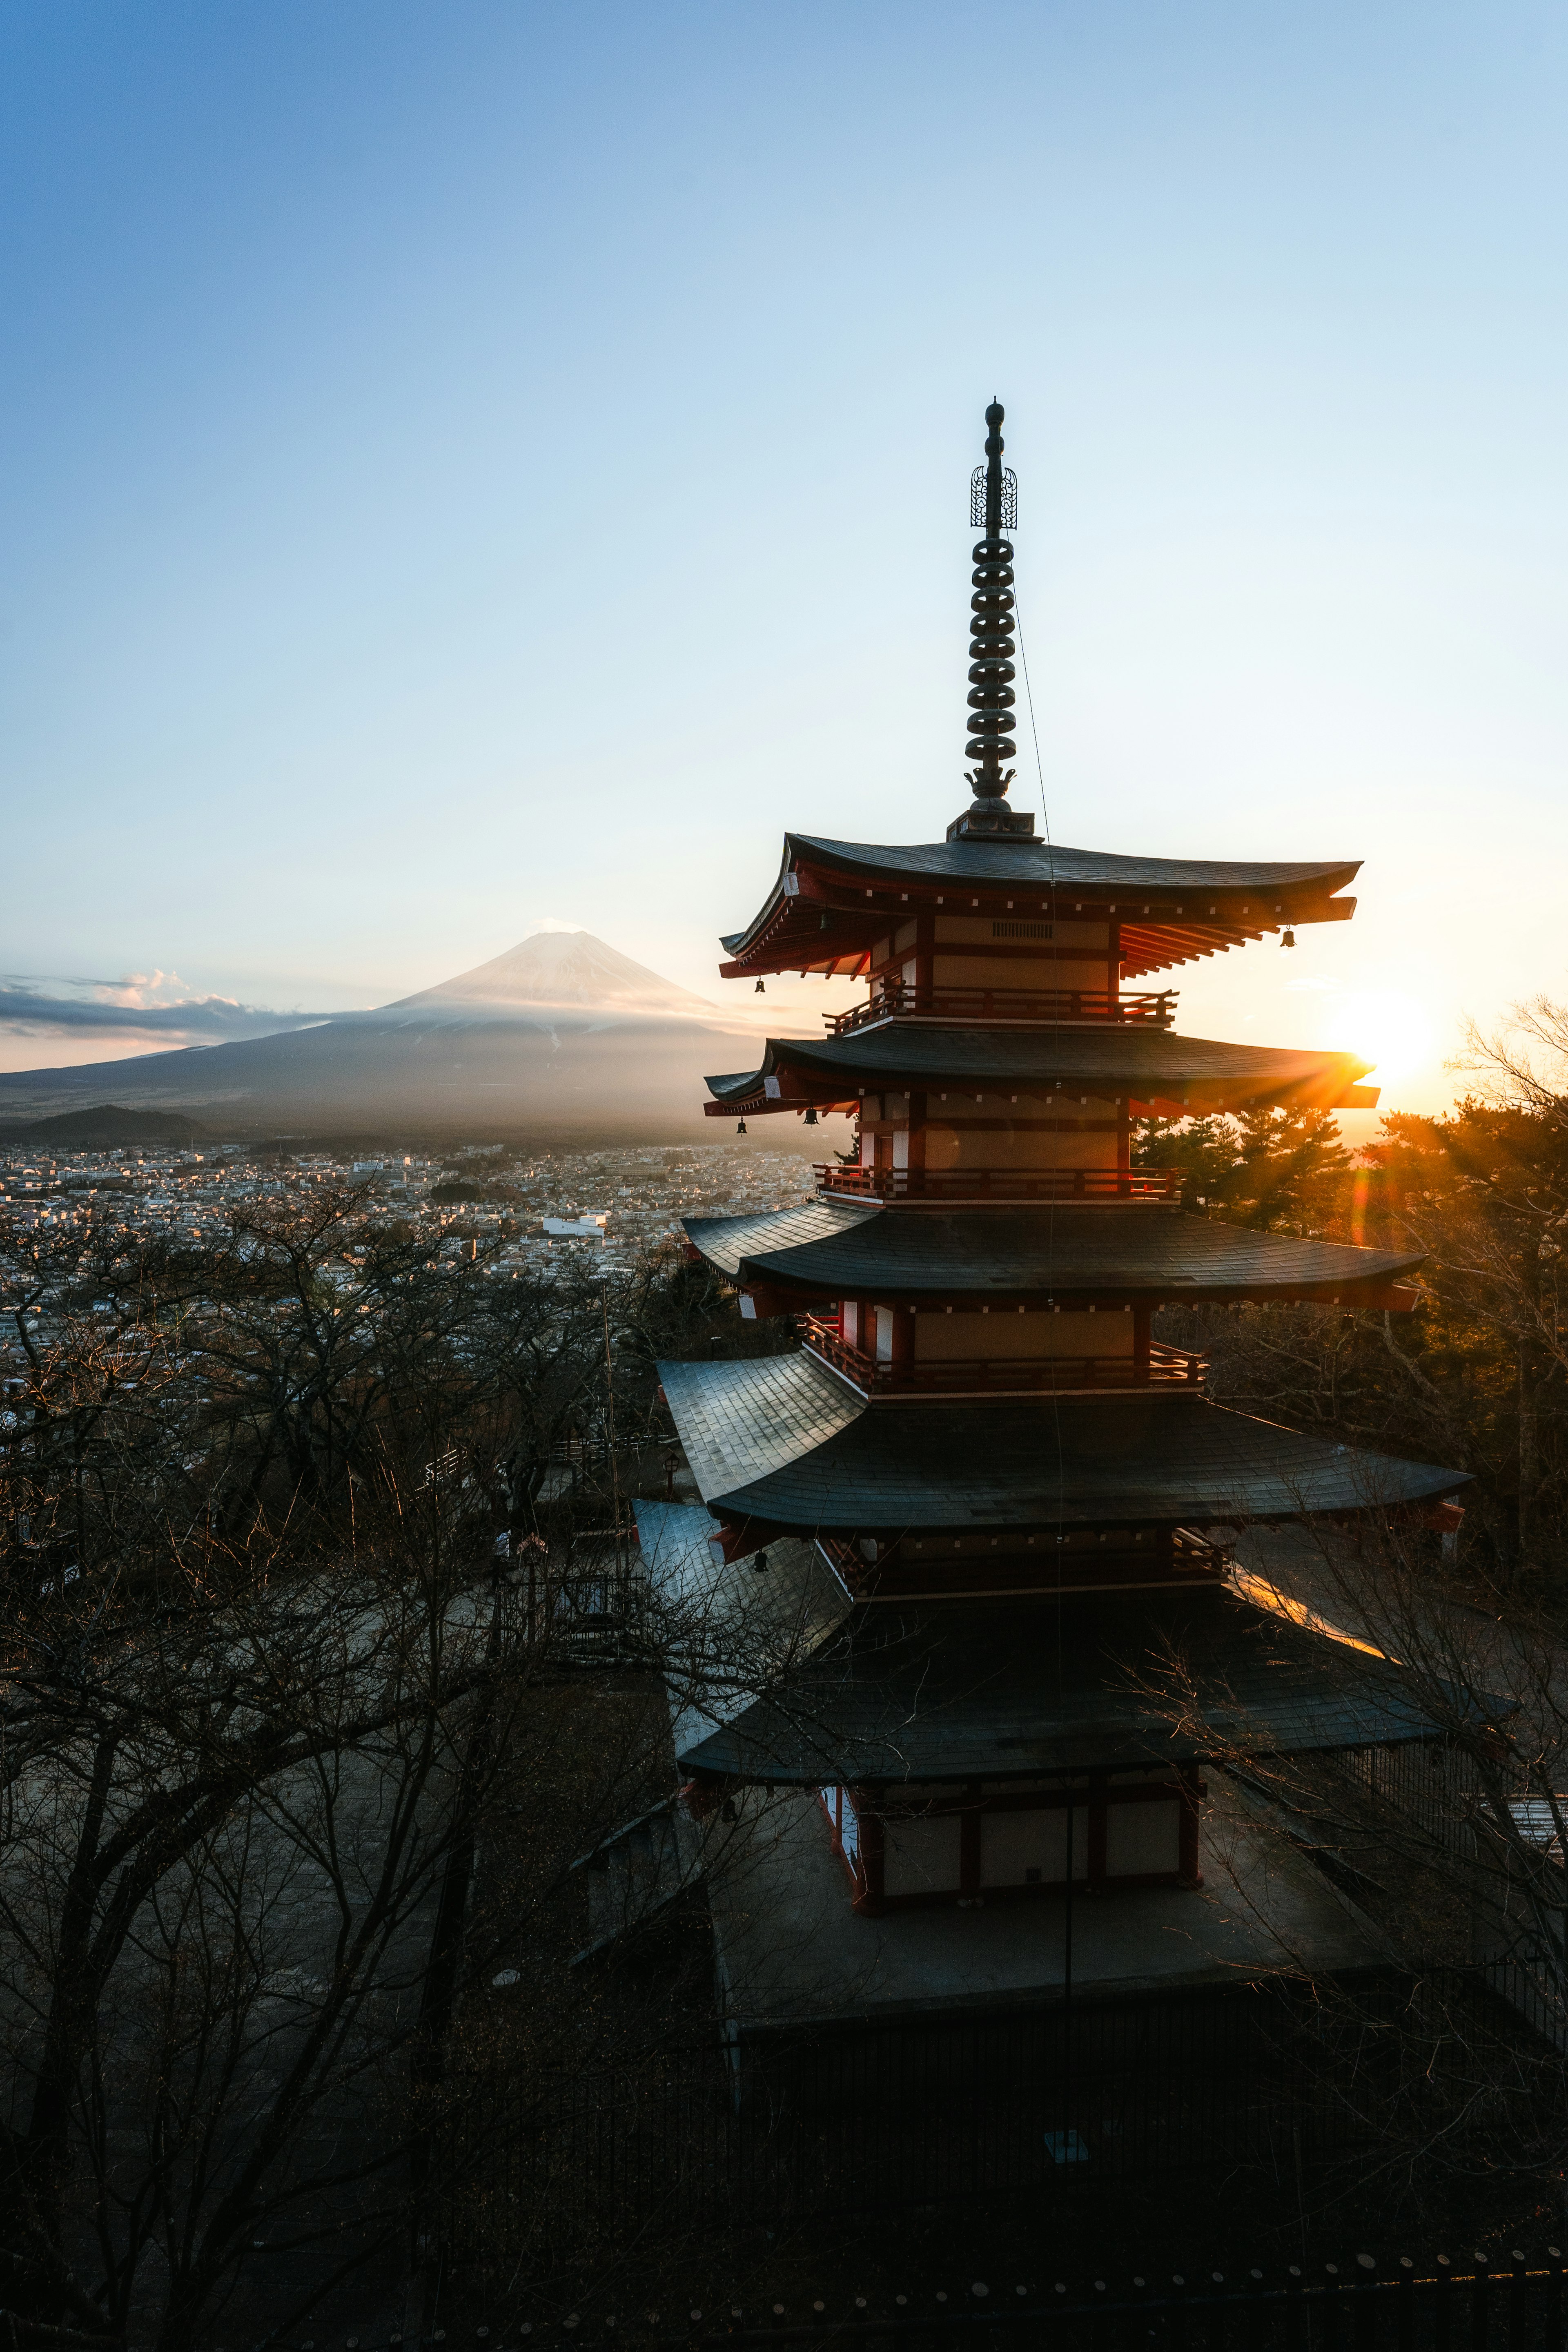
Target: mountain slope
562, 1037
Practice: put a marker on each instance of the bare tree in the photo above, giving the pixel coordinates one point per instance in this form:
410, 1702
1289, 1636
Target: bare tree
292, 1761
1449, 1841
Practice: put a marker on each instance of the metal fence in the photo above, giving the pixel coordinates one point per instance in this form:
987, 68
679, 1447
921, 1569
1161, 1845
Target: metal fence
986, 2107
1513, 2305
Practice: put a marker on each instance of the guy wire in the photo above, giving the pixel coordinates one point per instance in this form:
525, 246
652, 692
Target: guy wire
1050, 1202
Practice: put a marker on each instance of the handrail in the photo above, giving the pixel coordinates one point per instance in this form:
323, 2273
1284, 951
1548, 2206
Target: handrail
1000, 1183
1152, 1007
1166, 1366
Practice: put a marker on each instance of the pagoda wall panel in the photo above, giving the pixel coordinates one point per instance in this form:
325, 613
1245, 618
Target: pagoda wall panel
948, 1338
1144, 1840
1005, 1845
1066, 969
987, 930
1030, 1849
921, 1853
894, 943
1091, 1143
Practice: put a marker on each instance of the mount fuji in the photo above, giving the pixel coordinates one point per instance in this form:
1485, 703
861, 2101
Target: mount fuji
560, 1039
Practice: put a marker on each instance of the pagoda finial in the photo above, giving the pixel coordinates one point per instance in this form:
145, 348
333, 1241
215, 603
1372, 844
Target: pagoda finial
993, 508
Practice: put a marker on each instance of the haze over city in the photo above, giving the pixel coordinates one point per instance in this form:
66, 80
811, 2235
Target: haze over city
478, 472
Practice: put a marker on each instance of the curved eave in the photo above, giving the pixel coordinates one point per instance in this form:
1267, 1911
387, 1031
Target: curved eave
779, 1440
1155, 1071
1119, 1252
979, 1692
834, 899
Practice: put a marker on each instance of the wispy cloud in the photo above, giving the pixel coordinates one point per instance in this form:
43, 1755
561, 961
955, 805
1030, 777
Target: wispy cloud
138, 1004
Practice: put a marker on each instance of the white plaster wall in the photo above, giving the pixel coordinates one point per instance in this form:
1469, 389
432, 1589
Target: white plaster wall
921, 1856
1014, 1844
1142, 1839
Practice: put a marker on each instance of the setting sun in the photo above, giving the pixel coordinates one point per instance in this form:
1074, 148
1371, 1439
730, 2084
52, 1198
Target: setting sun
1393, 1030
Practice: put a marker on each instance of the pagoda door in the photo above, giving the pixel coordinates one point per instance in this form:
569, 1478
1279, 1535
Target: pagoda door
882, 1145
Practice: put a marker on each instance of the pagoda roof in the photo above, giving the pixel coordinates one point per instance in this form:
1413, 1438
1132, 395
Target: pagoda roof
847, 1249
1112, 1061
833, 898
782, 1439
990, 1691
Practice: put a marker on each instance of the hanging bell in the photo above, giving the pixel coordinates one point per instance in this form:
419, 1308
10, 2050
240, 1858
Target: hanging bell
1288, 940
741, 1129
759, 1562
760, 990
810, 1114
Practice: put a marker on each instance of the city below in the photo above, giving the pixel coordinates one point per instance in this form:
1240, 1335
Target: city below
527, 1209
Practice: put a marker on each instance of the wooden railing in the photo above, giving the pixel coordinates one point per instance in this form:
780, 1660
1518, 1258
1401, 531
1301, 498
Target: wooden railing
1001, 1183
1154, 1008
979, 1375
1177, 1552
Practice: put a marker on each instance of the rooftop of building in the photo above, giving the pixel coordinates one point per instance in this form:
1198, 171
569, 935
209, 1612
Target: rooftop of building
1114, 1062
878, 1695
1141, 1250
792, 1951
783, 1441
832, 899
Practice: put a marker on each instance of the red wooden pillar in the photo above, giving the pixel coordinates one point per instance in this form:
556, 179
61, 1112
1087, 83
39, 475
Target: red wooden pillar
917, 1178
1142, 1321
1114, 960
1192, 1793
871, 1895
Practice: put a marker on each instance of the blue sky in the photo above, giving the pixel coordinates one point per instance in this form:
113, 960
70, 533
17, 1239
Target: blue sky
477, 465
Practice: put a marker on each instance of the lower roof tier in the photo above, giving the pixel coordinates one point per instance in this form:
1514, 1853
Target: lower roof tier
997, 1692
1129, 1251
1119, 1062
780, 1440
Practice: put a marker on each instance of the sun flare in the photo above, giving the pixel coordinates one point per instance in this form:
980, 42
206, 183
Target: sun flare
1392, 1030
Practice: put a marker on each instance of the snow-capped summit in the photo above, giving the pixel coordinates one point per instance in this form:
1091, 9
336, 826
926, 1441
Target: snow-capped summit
564, 968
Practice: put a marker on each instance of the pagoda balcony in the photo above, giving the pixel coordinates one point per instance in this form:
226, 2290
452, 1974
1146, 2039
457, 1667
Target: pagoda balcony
988, 1005
941, 1185
943, 1567
998, 1375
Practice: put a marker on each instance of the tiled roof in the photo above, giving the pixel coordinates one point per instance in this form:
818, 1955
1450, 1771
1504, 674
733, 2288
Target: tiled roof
781, 1439
843, 1249
1033, 865
973, 860
989, 1692
1117, 1058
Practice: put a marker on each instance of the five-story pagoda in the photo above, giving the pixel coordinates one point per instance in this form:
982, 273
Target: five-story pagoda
1014, 1485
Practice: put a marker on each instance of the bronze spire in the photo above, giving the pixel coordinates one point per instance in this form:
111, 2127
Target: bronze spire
993, 508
